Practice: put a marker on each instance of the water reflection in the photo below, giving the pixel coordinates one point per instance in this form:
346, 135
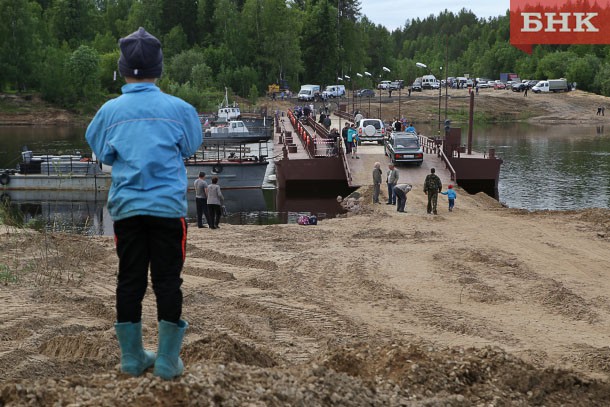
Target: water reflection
86, 213
71, 212
550, 167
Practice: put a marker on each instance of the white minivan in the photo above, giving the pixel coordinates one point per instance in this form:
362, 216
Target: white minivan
334, 91
309, 92
429, 82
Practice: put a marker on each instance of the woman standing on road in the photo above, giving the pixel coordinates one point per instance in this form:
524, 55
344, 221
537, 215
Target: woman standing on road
215, 200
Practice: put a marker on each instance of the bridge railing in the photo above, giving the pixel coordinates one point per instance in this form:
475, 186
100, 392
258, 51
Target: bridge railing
315, 138
435, 146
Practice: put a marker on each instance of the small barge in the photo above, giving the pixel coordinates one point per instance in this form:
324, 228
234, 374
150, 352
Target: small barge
48, 172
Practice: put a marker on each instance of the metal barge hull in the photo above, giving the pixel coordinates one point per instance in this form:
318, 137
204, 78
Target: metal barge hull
65, 182
231, 175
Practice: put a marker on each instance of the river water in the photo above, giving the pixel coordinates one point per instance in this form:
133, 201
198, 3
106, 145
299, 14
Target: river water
545, 167
550, 167
86, 213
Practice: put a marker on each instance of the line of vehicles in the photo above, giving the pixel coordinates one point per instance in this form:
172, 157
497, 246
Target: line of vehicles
315, 93
402, 147
310, 93
515, 84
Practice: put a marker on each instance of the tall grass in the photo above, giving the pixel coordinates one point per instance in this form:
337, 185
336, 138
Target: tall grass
44, 257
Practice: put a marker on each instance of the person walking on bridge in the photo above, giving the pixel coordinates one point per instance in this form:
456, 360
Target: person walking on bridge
392, 180
432, 186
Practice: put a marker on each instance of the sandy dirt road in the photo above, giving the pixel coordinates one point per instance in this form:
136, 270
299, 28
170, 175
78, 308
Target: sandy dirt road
481, 306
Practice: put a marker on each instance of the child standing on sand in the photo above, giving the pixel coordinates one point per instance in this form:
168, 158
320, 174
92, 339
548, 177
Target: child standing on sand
145, 134
451, 195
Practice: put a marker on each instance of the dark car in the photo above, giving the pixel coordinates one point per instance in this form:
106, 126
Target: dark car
416, 86
362, 93
518, 87
404, 147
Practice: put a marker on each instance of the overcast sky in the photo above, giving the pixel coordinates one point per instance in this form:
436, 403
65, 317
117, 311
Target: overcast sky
393, 13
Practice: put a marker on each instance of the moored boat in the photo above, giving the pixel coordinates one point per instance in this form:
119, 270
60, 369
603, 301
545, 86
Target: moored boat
226, 112
235, 131
47, 172
237, 165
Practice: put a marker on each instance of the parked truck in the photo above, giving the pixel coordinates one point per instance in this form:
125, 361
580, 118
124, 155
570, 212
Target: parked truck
334, 91
552, 85
309, 93
505, 77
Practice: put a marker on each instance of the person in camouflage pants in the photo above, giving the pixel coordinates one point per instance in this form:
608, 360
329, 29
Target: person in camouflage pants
432, 186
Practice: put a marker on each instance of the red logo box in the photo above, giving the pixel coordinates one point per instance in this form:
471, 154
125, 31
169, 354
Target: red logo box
558, 22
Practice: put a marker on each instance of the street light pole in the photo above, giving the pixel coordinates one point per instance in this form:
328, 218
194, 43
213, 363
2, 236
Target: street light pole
399, 89
380, 91
420, 65
352, 85
338, 79
369, 112
385, 70
440, 88
360, 97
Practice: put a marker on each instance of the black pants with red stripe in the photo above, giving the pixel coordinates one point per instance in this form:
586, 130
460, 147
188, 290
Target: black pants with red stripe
143, 241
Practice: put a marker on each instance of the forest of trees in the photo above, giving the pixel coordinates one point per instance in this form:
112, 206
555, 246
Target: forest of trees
67, 49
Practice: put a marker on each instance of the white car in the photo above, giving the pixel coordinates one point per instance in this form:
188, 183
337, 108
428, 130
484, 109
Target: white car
384, 85
371, 130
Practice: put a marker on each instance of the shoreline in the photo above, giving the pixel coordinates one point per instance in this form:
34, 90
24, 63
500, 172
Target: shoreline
491, 107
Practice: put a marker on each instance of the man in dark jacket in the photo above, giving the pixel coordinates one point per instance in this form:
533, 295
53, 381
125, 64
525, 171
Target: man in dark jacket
432, 186
348, 146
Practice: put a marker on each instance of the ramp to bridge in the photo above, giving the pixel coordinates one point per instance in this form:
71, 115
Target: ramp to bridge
362, 169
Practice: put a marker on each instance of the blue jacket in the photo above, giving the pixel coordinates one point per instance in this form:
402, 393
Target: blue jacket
144, 135
450, 194
352, 135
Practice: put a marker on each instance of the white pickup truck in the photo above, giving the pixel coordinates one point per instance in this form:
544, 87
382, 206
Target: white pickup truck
552, 85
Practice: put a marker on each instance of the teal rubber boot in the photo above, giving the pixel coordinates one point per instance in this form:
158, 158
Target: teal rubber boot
168, 364
134, 359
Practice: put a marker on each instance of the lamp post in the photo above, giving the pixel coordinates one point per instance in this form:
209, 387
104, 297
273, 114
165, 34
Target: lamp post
352, 86
369, 75
420, 65
440, 89
339, 79
399, 89
380, 90
358, 74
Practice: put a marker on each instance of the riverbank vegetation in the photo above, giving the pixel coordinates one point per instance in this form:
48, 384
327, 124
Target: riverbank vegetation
67, 50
